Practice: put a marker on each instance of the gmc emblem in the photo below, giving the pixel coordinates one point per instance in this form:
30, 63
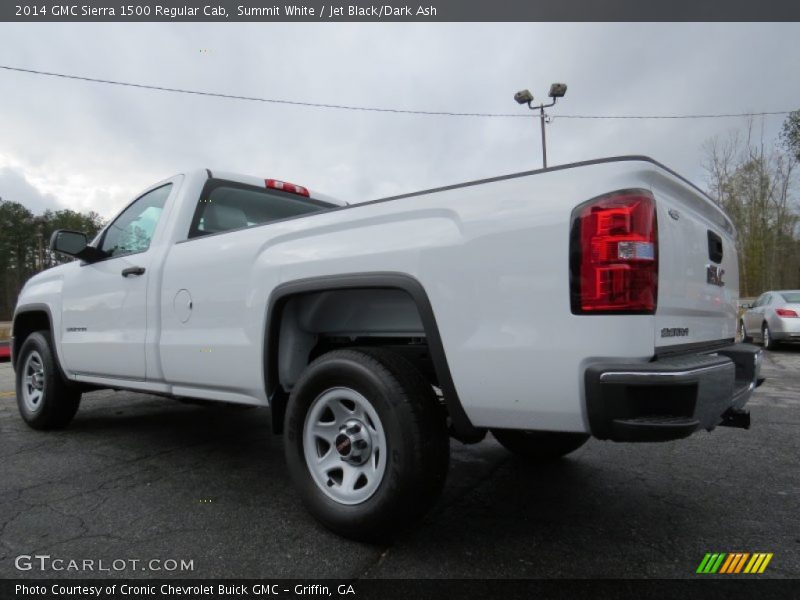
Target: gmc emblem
714, 275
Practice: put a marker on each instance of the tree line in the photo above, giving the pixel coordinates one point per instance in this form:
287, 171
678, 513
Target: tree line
755, 182
24, 245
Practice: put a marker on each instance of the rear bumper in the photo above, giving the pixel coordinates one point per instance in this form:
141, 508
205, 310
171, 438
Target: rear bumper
785, 330
785, 336
671, 398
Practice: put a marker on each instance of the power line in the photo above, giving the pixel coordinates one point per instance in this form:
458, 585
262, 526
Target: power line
709, 116
377, 109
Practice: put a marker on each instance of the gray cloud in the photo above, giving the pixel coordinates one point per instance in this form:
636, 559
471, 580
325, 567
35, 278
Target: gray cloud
95, 146
15, 188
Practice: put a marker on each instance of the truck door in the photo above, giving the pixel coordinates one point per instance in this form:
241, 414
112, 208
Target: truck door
104, 303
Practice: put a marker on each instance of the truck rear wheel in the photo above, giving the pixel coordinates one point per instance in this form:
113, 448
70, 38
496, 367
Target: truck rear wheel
44, 399
539, 446
366, 442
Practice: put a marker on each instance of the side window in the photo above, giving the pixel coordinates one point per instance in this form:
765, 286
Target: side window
133, 229
225, 206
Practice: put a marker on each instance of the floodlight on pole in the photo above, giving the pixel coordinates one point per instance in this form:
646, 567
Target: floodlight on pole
523, 97
557, 90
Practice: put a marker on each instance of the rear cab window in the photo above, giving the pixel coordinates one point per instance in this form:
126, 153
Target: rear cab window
229, 205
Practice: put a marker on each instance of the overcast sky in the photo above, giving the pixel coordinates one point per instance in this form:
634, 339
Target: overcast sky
89, 146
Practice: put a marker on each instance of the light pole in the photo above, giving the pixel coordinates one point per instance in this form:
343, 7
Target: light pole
557, 90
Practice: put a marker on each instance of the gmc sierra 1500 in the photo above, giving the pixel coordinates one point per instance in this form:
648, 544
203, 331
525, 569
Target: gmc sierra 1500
595, 298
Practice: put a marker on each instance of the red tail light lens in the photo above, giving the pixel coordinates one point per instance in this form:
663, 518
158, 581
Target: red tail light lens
785, 312
614, 254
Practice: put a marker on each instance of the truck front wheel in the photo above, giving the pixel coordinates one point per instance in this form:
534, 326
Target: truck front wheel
539, 446
366, 442
44, 399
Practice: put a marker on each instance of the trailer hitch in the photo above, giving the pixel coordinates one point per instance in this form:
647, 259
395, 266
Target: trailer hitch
736, 417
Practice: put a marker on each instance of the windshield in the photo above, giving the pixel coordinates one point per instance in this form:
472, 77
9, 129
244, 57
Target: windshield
791, 297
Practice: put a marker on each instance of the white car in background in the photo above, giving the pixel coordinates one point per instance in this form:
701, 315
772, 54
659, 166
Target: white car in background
773, 318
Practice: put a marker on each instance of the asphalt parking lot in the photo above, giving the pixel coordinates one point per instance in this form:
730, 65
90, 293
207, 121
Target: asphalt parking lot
140, 477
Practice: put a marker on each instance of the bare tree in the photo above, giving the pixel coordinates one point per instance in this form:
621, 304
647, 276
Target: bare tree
754, 184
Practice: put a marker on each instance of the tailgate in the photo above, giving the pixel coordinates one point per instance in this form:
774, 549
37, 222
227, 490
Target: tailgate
698, 282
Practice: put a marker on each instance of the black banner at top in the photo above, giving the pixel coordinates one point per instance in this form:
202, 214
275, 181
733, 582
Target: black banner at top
329, 11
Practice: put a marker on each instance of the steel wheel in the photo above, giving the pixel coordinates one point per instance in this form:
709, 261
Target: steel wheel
345, 445
44, 398
33, 380
366, 442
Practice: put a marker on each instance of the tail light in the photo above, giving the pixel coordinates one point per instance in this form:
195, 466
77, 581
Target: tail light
614, 254
785, 312
283, 186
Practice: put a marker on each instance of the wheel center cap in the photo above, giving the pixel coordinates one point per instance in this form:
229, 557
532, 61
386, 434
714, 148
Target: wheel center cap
343, 444
354, 443
36, 380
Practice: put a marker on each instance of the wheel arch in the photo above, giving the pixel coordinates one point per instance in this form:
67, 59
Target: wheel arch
28, 319
280, 297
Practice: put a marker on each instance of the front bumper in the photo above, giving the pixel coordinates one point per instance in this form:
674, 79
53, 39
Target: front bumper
671, 398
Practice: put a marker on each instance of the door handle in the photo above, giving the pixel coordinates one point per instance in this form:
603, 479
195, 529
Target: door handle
133, 271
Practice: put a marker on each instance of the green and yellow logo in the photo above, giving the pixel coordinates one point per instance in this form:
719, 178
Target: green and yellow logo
734, 562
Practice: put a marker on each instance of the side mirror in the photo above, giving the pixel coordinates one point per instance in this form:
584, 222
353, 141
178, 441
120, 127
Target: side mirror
74, 243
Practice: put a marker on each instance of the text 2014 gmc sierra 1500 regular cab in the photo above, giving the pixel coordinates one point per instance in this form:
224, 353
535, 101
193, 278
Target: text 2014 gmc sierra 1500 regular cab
591, 299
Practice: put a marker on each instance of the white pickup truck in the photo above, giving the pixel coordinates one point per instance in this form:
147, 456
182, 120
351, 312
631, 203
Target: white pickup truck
590, 299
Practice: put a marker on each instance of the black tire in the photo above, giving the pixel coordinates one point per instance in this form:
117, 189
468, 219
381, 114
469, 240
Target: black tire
766, 338
539, 446
57, 401
743, 333
417, 446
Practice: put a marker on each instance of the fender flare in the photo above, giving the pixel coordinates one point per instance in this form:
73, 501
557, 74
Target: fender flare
15, 344
461, 425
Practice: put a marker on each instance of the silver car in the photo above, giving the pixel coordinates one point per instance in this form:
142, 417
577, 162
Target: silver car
773, 318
